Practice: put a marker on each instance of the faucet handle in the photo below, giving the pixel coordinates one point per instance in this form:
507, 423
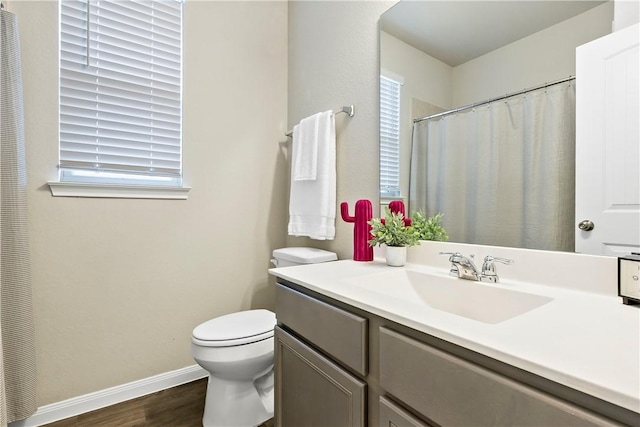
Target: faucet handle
489, 273
452, 257
490, 258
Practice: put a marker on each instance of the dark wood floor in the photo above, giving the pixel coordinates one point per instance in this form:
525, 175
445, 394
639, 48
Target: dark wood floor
180, 406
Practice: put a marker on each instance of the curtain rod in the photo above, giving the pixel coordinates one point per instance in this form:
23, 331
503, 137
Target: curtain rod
349, 109
488, 101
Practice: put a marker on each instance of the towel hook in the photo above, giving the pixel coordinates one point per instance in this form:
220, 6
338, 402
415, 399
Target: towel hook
350, 110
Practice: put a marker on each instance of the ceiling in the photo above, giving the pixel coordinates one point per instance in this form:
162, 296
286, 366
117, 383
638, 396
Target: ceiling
456, 31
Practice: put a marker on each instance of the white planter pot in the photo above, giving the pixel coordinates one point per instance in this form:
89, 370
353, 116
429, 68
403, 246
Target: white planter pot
396, 255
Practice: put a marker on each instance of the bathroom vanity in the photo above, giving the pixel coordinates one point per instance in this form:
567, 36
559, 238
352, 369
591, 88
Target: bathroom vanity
357, 345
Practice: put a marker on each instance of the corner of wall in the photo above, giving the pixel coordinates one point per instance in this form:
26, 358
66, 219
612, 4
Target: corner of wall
625, 14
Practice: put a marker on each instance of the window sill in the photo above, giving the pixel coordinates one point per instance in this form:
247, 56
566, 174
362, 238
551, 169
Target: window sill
117, 191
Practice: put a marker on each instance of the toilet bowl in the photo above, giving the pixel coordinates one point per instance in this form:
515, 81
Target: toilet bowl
237, 350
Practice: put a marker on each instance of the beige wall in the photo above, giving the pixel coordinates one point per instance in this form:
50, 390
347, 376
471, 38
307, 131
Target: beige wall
545, 56
119, 284
333, 61
627, 12
425, 77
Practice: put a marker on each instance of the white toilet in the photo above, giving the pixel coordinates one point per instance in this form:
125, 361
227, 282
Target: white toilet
237, 351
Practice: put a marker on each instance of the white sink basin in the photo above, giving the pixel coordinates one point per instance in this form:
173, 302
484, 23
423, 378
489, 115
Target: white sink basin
473, 300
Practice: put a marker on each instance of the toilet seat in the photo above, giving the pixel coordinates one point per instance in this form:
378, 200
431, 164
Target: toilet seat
234, 329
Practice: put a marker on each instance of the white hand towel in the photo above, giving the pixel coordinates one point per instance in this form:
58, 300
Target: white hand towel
312, 203
306, 137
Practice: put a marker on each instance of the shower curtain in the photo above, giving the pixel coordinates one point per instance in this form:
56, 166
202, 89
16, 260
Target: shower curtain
17, 347
502, 173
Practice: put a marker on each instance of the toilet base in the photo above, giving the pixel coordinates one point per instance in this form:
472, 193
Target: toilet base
238, 403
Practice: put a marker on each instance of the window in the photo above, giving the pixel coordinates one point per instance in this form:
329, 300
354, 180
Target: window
121, 92
389, 137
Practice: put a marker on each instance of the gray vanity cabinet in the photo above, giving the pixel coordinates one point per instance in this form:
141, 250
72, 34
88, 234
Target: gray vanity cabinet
339, 333
312, 391
454, 392
340, 366
313, 360
392, 415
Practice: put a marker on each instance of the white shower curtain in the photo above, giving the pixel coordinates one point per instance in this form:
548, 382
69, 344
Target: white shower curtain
17, 348
503, 173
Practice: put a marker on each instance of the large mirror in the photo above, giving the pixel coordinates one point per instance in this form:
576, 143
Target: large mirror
443, 55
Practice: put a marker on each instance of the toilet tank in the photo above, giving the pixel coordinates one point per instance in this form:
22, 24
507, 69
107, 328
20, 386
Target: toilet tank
286, 257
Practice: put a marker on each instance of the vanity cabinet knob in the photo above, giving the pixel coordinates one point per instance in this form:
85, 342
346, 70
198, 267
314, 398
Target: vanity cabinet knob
586, 225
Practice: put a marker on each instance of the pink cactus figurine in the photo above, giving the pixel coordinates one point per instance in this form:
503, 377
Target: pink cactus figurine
362, 230
398, 206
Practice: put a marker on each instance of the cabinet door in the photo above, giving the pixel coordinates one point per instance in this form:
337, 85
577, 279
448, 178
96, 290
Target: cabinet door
340, 334
391, 415
312, 391
452, 391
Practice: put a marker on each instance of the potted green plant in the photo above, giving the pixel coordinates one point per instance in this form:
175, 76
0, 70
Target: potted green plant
396, 234
429, 228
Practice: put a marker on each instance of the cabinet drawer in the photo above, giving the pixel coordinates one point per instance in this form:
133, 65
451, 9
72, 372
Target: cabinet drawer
391, 415
313, 391
452, 391
339, 333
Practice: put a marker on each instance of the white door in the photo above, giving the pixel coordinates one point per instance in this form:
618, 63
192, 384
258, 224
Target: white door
608, 144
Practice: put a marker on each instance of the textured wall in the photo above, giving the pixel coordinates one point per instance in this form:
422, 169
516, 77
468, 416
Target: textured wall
119, 284
333, 61
545, 56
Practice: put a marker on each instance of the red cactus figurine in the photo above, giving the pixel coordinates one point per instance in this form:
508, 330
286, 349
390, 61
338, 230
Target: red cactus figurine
362, 230
398, 206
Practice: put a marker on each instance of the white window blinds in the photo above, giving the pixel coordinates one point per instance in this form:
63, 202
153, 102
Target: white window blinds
120, 90
389, 137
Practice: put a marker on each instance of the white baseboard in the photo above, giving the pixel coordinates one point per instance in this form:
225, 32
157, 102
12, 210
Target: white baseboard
100, 399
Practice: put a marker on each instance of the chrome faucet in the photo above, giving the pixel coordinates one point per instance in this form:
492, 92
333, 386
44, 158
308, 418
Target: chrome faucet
461, 266
464, 268
489, 273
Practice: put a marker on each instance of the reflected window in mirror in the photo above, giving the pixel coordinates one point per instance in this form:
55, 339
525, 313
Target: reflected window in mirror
390, 88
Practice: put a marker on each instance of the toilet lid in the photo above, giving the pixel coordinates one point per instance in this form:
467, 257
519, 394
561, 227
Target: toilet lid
236, 328
302, 255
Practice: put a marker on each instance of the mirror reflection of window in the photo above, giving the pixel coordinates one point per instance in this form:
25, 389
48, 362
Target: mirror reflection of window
390, 136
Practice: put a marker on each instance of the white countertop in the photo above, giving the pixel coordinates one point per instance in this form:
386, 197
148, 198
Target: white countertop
586, 341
